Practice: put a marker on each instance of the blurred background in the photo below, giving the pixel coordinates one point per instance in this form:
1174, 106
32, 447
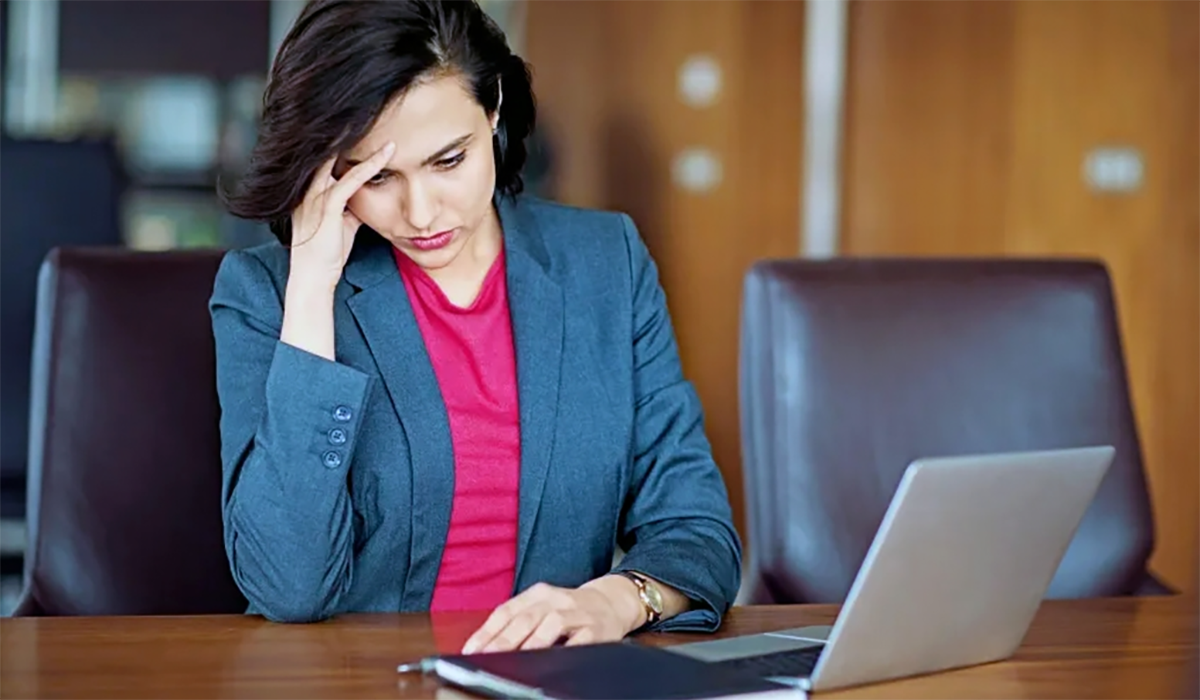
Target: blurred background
732, 131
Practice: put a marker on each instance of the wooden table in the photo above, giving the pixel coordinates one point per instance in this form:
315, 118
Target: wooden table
1114, 648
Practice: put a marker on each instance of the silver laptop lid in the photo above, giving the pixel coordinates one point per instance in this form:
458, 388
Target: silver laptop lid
960, 563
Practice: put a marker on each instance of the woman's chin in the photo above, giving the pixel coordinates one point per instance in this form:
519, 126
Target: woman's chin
435, 257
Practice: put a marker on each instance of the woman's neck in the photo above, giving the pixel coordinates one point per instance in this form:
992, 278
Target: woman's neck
462, 279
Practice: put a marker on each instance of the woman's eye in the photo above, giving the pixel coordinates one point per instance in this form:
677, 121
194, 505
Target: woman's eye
378, 179
451, 162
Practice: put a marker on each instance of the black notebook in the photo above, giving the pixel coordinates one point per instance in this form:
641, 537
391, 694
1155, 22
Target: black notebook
615, 671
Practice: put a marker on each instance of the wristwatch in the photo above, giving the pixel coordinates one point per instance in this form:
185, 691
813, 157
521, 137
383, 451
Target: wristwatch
648, 593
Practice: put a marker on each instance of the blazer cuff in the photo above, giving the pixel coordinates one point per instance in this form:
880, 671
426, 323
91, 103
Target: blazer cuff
709, 606
698, 620
323, 400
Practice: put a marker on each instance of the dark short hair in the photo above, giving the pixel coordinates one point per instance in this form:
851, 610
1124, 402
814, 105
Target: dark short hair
343, 61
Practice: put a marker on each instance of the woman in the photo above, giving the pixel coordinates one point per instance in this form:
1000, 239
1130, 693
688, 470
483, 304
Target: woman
438, 393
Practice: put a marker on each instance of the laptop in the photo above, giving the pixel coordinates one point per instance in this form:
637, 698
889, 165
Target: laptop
957, 569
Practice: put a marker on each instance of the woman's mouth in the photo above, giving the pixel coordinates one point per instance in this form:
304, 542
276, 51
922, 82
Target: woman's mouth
438, 240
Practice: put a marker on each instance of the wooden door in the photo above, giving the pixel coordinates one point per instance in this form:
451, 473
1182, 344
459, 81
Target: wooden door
968, 124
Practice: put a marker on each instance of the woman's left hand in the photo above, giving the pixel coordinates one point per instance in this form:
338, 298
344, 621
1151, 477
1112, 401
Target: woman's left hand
603, 610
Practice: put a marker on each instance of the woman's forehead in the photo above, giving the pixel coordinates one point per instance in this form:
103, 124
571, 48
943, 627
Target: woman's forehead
424, 119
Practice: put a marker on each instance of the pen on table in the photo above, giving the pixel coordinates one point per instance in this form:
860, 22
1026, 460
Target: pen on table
425, 665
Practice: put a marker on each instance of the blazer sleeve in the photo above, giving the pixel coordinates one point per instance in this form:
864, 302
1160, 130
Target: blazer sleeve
289, 424
677, 526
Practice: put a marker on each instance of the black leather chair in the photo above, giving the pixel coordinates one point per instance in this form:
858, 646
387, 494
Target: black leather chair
852, 368
125, 471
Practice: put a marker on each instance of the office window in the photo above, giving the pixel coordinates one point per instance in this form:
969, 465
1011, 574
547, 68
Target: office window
178, 134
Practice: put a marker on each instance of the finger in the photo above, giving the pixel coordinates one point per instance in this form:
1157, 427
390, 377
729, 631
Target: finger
582, 635
313, 203
325, 173
482, 636
357, 176
549, 630
321, 180
350, 226
504, 613
497, 621
517, 630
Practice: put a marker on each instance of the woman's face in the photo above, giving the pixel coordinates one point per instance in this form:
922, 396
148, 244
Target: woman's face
436, 192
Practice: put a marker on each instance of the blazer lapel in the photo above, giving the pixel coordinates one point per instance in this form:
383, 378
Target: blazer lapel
384, 315
536, 306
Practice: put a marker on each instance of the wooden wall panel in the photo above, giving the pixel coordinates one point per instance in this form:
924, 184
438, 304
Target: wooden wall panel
570, 85
925, 83
968, 124
605, 77
1172, 430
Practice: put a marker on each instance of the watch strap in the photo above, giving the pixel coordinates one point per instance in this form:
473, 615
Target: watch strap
641, 582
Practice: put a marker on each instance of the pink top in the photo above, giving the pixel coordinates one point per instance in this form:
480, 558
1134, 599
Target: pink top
475, 364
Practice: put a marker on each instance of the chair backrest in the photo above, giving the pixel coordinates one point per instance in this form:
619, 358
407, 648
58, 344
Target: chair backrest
852, 368
54, 193
125, 471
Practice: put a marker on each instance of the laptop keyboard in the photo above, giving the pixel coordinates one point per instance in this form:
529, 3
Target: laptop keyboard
795, 663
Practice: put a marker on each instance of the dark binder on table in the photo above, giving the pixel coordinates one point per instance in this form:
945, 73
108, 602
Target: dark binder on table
614, 671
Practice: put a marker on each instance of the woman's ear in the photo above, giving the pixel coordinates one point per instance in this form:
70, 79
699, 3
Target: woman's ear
499, 101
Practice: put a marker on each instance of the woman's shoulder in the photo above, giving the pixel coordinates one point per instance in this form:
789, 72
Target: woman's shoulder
583, 240
570, 218
256, 273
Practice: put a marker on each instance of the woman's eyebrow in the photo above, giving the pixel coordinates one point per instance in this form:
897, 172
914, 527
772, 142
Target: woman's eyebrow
441, 153
445, 150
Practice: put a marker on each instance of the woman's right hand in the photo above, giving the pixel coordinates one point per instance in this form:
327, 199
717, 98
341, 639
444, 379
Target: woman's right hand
323, 230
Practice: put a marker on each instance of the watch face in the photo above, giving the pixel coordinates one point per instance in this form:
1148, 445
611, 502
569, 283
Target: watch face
654, 599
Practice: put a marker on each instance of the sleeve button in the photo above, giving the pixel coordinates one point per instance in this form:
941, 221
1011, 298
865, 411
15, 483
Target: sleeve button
331, 459
337, 436
342, 414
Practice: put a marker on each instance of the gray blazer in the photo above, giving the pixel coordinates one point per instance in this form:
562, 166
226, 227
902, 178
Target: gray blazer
321, 521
